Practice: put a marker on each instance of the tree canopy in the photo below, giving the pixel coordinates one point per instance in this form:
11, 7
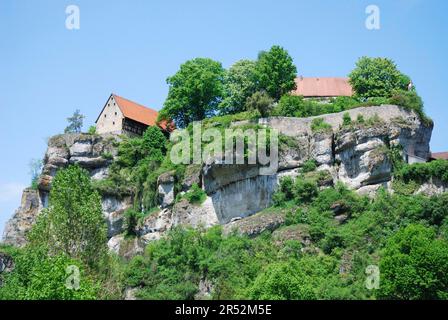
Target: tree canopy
276, 72
73, 224
414, 265
239, 84
194, 92
377, 77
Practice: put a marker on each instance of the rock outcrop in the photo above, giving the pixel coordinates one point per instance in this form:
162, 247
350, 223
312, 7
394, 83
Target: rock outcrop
93, 153
357, 155
23, 219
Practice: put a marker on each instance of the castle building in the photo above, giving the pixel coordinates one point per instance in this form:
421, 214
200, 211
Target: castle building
123, 116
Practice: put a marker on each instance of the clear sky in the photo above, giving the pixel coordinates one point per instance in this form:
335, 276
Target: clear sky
130, 47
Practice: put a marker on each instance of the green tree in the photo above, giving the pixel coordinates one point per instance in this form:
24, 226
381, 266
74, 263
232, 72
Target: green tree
75, 122
414, 265
73, 224
276, 72
194, 92
377, 77
239, 84
260, 101
37, 276
282, 281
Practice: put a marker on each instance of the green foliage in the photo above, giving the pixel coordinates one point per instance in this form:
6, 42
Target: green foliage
423, 172
194, 92
309, 166
283, 281
75, 122
319, 125
346, 120
413, 265
376, 77
239, 84
73, 224
131, 219
195, 195
305, 190
92, 130
290, 106
360, 119
410, 100
37, 276
135, 170
261, 102
107, 156
276, 72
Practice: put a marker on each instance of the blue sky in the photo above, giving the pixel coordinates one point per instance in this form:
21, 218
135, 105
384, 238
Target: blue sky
130, 48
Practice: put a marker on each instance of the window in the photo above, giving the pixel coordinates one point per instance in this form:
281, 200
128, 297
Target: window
113, 122
105, 115
115, 113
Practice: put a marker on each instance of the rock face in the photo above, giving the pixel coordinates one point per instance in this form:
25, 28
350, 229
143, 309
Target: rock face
165, 189
356, 155
18, 226
92, 152
256, 224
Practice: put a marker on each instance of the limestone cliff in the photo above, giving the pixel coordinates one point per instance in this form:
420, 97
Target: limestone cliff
355, 155
92, 152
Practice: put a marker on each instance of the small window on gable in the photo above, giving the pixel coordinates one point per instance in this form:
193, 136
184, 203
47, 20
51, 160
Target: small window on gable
105, 115
115, 113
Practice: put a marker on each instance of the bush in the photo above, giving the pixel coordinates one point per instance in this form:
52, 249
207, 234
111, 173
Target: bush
360, 119
37, 276
131, 219
309, 166
92, 130
290, 106
195, 195
260, 101
318, 125
283, 281
346, 120
305, 190
422, 172
410, 101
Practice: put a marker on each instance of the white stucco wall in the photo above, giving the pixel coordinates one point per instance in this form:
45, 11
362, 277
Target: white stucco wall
110, 119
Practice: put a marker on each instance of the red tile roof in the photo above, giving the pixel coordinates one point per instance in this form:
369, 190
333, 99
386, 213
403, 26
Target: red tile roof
135, 111
439, 155
322, 87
